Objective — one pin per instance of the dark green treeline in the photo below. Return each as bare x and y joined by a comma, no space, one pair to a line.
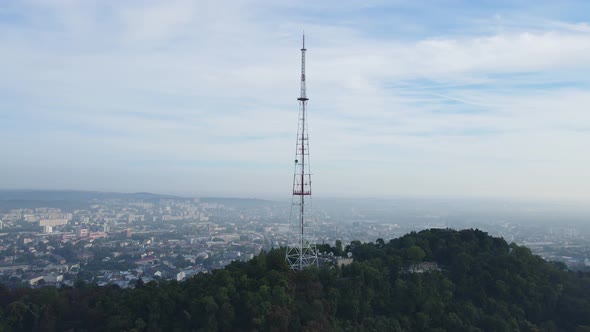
484,284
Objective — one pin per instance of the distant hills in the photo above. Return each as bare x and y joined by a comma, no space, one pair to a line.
434,280
73,195
66,199
78,198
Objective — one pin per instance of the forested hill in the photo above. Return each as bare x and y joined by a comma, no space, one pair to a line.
481,284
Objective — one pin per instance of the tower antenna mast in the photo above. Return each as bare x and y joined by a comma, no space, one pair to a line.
301,249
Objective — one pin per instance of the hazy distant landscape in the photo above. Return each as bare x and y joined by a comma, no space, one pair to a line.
157,158
226,229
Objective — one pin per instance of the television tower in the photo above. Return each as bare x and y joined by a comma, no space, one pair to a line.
301,250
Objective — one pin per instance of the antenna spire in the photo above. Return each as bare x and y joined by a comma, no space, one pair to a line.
303,39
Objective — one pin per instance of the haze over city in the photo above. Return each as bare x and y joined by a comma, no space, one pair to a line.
486,99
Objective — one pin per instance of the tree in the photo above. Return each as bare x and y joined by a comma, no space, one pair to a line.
339,250
415,254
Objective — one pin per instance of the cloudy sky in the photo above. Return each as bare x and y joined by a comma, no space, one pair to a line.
431,99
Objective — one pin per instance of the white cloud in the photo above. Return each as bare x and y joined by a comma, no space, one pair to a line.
118,87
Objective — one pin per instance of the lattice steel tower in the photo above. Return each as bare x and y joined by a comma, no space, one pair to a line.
301,249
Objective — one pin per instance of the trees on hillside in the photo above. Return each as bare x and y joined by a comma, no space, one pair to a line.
485,285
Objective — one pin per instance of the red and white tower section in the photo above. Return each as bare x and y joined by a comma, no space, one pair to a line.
301,249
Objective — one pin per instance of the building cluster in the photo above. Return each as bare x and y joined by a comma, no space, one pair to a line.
120,241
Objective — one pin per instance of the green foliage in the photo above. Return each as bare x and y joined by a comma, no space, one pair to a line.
415,254
483,284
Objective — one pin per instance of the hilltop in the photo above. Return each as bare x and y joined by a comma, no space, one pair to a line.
433,280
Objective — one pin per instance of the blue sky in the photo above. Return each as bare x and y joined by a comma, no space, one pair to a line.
421,99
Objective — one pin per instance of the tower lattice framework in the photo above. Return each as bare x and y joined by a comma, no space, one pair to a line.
301,249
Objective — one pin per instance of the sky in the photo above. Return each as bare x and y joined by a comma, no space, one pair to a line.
407,99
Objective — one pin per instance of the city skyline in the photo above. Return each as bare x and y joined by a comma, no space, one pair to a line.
199,98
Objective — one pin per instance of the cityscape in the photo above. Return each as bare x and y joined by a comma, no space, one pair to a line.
158,157
110,238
